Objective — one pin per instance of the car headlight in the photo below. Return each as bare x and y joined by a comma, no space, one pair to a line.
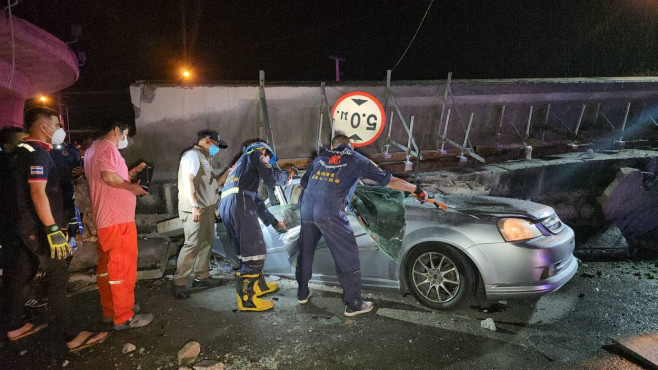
517,229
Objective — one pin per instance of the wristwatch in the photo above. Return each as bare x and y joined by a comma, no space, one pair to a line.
195,205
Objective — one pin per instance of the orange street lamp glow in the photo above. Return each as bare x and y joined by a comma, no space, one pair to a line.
43,98
186,74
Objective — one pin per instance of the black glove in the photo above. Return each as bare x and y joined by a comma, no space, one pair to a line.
59,248
279,226
421,194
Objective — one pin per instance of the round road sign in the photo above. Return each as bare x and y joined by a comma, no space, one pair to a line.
360,116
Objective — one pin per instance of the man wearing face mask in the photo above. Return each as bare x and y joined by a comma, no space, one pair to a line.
39,219
197,199
113,199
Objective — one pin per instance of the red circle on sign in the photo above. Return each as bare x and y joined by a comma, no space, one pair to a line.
381,110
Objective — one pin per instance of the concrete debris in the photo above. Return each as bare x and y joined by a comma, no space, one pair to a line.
609,243
128,347
208,365
450,186
188,354
488,323
65,363
631,202
588,154
22,353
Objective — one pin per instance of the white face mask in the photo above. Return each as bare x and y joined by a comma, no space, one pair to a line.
58,136
123,143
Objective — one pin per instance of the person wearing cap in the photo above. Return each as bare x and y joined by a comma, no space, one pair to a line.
113,202
197,199
240,210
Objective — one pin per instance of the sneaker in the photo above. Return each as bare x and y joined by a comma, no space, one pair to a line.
109,320
363,307
181,292
36,303
138,321
308,297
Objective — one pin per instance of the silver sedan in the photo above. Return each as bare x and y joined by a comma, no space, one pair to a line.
511,248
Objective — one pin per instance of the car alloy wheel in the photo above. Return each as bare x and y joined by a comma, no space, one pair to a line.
439,277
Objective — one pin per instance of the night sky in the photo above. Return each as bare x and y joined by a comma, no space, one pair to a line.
128,41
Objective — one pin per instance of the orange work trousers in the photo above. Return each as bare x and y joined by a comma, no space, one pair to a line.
116,272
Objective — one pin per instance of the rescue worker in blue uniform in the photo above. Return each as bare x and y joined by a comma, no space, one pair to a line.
328,186
240,208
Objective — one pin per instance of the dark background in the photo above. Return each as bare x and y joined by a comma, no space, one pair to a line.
128,41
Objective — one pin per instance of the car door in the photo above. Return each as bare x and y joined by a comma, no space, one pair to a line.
324,268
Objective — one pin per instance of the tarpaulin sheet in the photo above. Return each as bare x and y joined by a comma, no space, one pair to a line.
381,211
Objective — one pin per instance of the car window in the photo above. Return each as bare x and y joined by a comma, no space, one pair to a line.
288,213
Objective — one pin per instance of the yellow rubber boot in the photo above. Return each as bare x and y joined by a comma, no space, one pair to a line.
246,295
263,286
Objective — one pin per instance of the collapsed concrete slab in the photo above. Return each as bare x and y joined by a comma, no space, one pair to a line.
609,244
153,253
630,202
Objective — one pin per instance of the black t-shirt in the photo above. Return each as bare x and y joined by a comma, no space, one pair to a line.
34,164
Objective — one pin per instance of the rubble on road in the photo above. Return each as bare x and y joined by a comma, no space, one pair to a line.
188,354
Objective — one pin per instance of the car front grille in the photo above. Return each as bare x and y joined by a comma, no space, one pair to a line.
553,224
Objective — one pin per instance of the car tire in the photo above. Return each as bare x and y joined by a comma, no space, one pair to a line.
439,276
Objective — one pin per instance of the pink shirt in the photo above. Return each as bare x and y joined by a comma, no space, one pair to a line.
111,206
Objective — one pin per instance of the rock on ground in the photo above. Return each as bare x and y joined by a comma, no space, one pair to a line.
188,354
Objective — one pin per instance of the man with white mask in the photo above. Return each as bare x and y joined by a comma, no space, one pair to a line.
197,200
113,199
38,220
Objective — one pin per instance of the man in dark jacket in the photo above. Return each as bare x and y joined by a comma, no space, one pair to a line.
39,222
239,209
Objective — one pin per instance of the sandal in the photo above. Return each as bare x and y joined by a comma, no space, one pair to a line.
34,329
87,341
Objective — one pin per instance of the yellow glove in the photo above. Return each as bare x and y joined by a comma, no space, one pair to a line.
59,248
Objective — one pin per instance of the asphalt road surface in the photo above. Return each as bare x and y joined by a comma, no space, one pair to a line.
568,329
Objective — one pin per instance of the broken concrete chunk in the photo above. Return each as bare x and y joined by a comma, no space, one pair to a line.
188,354
208,365
630,204
128,347
488,323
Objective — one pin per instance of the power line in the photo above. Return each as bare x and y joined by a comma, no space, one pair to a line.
413,38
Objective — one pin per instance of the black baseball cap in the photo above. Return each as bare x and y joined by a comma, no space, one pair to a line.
212,135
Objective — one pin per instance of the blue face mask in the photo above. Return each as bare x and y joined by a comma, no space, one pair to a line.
213,150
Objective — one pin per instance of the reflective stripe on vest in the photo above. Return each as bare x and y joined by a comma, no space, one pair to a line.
230,191
113,282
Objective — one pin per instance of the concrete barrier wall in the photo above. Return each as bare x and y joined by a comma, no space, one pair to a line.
167,117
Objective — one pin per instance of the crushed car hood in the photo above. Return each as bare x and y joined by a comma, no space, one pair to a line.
488,206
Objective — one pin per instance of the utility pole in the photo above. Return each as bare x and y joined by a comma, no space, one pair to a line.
338,60
182,9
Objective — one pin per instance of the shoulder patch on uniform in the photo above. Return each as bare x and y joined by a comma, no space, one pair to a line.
36,170
206,164
26,146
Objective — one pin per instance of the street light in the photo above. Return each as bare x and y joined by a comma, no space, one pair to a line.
185,74
43,98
